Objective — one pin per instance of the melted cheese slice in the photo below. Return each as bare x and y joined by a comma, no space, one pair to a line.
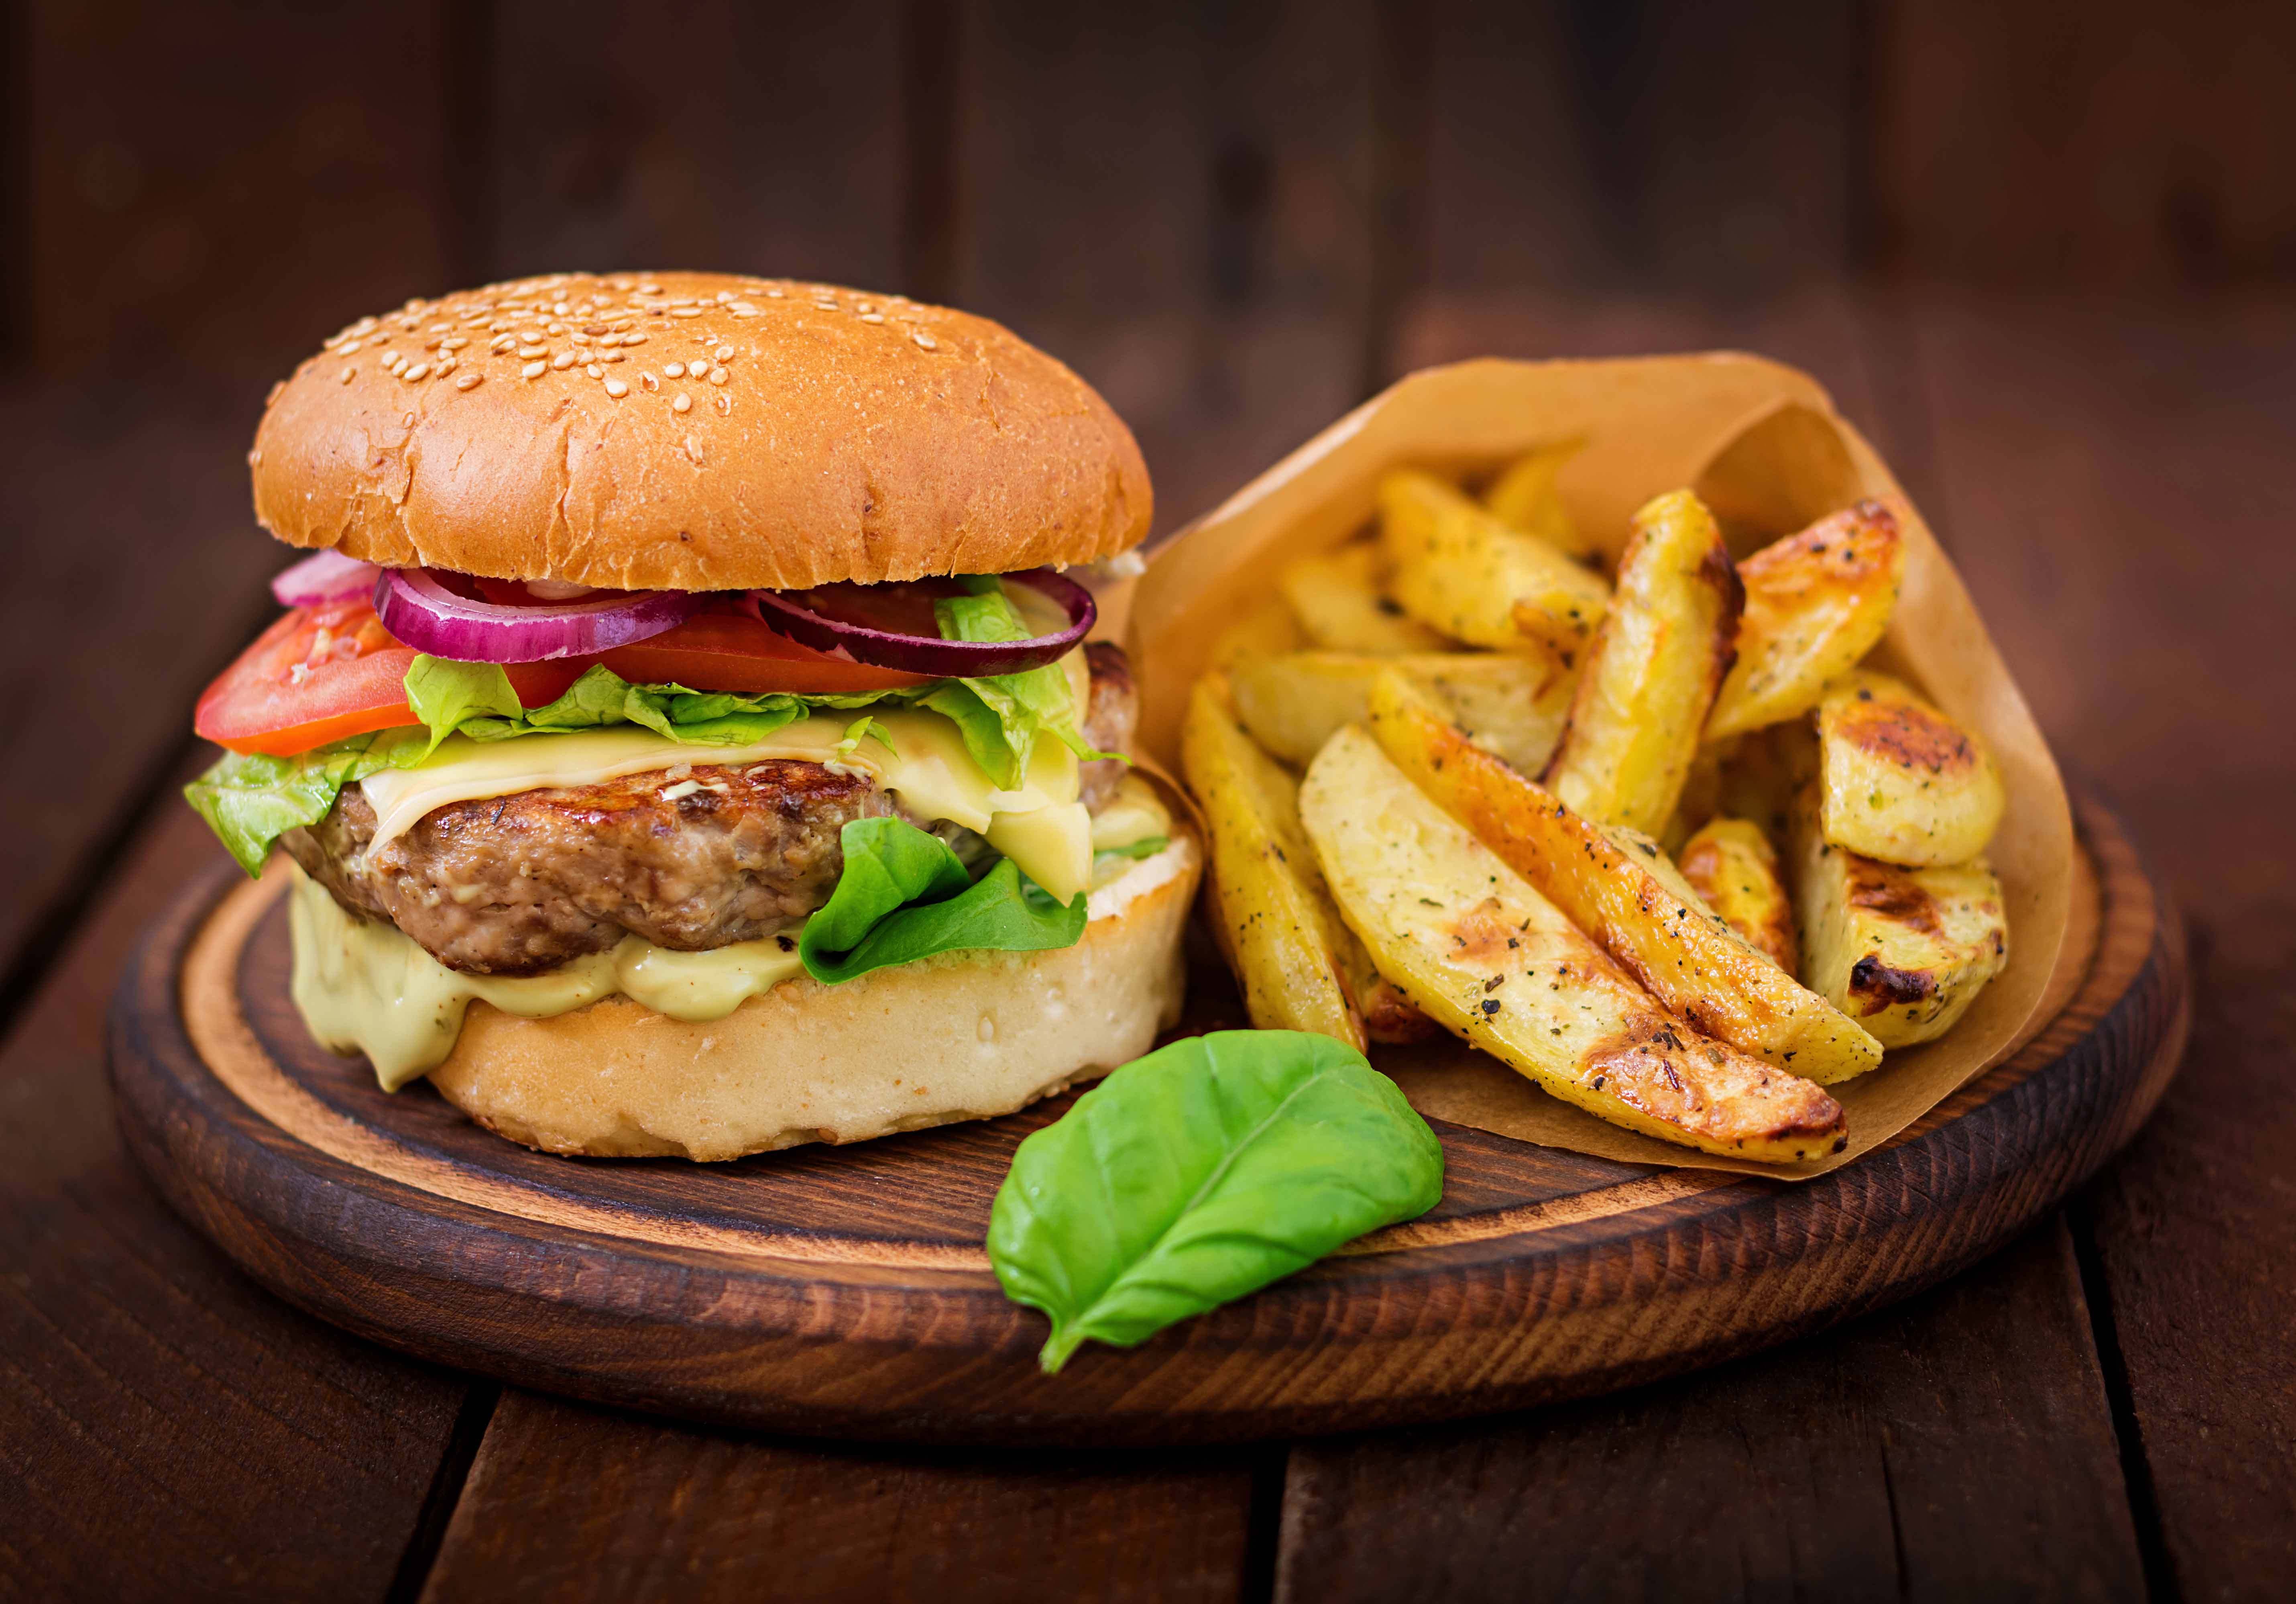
1040,825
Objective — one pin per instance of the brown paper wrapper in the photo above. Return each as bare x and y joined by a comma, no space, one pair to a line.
1760,442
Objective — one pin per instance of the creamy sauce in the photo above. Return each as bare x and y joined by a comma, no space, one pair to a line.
362,985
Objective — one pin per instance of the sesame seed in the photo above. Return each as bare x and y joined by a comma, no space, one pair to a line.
617,388
348,373
649,382
925,339
634,337
469,380
775,294
254,458
407,420
455,344
676,370
682,402
685,311
649,288
412,374
716,376
873,317
347,348
277,385
578,337
723,353
445,365
559,309
534,370
609,340
724,403
594,370
533,351
562,360
612,356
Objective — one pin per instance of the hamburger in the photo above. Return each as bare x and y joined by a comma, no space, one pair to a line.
687,737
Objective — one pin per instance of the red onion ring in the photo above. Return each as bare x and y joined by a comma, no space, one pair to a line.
425,614
930,654
325,576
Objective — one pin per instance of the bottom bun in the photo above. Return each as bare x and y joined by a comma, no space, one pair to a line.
958,1037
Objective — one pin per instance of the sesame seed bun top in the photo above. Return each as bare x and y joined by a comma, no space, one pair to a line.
693,432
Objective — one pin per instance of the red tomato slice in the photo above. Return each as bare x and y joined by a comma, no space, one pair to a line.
325,673
733,652
351,682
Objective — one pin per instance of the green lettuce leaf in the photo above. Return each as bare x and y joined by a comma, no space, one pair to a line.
250,801
1199,1174
904,895
1002,715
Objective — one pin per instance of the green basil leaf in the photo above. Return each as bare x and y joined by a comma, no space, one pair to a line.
1199,1174
903,895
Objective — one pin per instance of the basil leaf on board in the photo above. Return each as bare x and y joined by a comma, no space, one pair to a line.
1199,1174
904,895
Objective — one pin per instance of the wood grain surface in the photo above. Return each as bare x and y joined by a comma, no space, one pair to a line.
844,1293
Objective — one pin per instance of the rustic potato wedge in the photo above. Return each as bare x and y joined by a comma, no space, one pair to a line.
1340,604
1900,781
1523,495
1488,958
1623,891
1268,630
1732,867
1275,922
1905,951
1816,604
1468,574
1653,671
1514,706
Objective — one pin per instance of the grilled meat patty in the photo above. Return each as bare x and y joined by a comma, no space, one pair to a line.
518,884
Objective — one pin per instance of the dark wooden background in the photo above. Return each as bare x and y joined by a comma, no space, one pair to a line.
2042,254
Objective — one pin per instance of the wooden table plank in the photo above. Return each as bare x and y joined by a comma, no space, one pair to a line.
132,573
1202,257
567,1501
1956,1446
168,1429
704,133
2123,480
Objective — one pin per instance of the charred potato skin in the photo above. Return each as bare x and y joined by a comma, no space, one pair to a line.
1292,703
1733,869
1651,676
1472,576
1341,604
1486,956
1900,780
1271,911
1904,951
1816,604
1624,893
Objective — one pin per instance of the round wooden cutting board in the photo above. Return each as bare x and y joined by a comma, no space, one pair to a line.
843,1292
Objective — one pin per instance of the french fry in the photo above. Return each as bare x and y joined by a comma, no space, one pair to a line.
1341,607
1524,495
1732,867
1899,780
1514,706
1268,630
1470,574
1906,950
1274,919
1485,956
1624,893
1653,671
1816,604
